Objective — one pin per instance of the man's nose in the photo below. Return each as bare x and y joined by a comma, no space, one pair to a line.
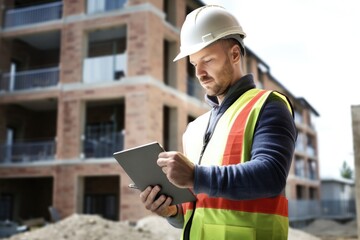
200,72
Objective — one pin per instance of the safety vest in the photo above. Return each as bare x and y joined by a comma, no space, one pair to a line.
224,219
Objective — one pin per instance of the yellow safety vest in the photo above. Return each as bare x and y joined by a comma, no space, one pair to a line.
224,219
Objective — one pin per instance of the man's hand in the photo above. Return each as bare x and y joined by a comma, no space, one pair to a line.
178,169
161,205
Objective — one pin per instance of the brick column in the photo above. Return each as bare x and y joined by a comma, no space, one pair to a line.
73,7
69,128
64,191
145,45
136,112
72,53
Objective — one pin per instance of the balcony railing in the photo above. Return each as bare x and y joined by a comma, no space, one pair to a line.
33,14
39,78
101,143
97,6
194,89
338,209
25,152
300,210
104,68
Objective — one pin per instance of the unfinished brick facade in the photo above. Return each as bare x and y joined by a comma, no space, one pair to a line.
148,98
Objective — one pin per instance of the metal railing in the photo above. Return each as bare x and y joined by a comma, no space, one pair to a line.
338,209
33,14
24,152
194,89
102,141
302,210
97,6
39,78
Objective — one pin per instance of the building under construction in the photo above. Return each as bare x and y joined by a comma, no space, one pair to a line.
82,79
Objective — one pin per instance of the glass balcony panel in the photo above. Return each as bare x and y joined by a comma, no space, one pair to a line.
304,209
104,68
338,208
300,168
34,14
23,80
24,152
102,141
98,6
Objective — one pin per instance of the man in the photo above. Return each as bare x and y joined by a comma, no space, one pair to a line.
237,156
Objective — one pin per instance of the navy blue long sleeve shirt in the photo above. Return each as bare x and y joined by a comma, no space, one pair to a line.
265,174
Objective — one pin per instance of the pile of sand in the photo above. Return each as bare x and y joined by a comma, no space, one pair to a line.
328,228
93,227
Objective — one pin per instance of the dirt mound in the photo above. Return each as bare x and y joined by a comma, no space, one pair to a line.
296,234
93,227
88,227
329,228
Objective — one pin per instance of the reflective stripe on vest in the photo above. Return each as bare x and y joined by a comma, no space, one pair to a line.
220,218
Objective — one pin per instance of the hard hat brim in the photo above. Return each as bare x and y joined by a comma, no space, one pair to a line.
192,50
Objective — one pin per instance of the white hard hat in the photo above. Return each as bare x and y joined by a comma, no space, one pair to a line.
204,26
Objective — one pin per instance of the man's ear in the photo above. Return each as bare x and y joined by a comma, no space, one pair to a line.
235,53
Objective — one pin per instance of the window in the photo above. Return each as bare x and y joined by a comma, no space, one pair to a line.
310,148
102,204
312,170
299,144
170,11
106,58
300,192
298,117
170,128
6,206
300,167
169,69
260,82
313,193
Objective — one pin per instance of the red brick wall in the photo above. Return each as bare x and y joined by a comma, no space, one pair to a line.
143,102
69,130
73,7
71,53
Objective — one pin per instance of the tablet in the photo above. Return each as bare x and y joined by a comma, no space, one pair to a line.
140,165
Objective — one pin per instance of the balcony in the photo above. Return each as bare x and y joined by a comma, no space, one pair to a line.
104,68
102,142
300,210
99,6
338,209
26,152
24,80
33,14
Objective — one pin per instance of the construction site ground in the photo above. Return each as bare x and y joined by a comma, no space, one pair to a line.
93,227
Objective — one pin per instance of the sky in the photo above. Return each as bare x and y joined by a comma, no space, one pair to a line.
312,48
